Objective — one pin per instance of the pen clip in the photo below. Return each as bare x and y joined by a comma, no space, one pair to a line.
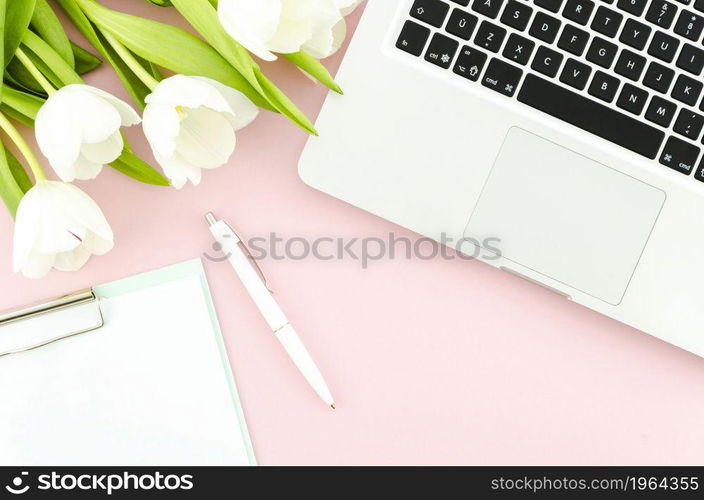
245,249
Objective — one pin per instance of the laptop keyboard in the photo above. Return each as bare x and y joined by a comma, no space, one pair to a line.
628,71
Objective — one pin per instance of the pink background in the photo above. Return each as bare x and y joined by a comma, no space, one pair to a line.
431,362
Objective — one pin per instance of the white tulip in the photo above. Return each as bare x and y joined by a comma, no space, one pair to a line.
265,27
190,123
58,226
78,130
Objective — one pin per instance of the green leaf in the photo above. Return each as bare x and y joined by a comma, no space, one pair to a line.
283,103
16,115
85,61
43,67
48,27
169,47
18,15
3,9
51,59
135,87
10,190
18,75
24,103
314,68
136,168
161,3
18,172
202,15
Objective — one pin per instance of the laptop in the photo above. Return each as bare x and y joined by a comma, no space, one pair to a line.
561,138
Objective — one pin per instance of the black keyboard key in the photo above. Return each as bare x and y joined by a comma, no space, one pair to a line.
461,24
578,11
687,90
470,63
630,65
602,52
516,15
430,11
661,111
591,116
490,36
607,21
699,174
663,46
518,49
679,155
690,25
635,7
661,13
575,74
699,5
658,77
691,59
441,50
547,61
464,3
489,8
632,99
413,37
573,40
635,34
689,124
604,86
551,5
544,27
502,77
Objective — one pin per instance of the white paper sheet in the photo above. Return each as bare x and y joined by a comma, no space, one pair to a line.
148,388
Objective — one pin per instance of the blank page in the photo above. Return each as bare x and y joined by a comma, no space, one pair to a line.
148,388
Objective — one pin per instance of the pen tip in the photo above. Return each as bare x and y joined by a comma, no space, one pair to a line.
333,406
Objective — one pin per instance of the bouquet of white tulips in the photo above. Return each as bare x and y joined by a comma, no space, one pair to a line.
194,93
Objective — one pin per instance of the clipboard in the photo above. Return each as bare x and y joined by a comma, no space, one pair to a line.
84,382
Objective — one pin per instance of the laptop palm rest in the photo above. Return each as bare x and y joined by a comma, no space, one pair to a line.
566,216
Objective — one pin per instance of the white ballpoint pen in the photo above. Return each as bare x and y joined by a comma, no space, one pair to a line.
230,243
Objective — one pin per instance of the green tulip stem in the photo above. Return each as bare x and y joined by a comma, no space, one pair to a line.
34,71
23,147
131,61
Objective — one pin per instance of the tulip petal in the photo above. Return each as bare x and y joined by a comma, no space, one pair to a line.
161,127
57,136
347,6
178,170
97,245
127,113
85,169
252,24
188,92
58,225
72,260
295,26
322,42
80,207
97,118
104,152
244,111
207,140
37,265
27,225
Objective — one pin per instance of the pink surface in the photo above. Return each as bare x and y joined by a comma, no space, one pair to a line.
431,362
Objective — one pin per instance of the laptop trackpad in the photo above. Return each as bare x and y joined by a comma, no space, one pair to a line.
565,216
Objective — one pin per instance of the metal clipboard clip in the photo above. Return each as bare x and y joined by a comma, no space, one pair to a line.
31,312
